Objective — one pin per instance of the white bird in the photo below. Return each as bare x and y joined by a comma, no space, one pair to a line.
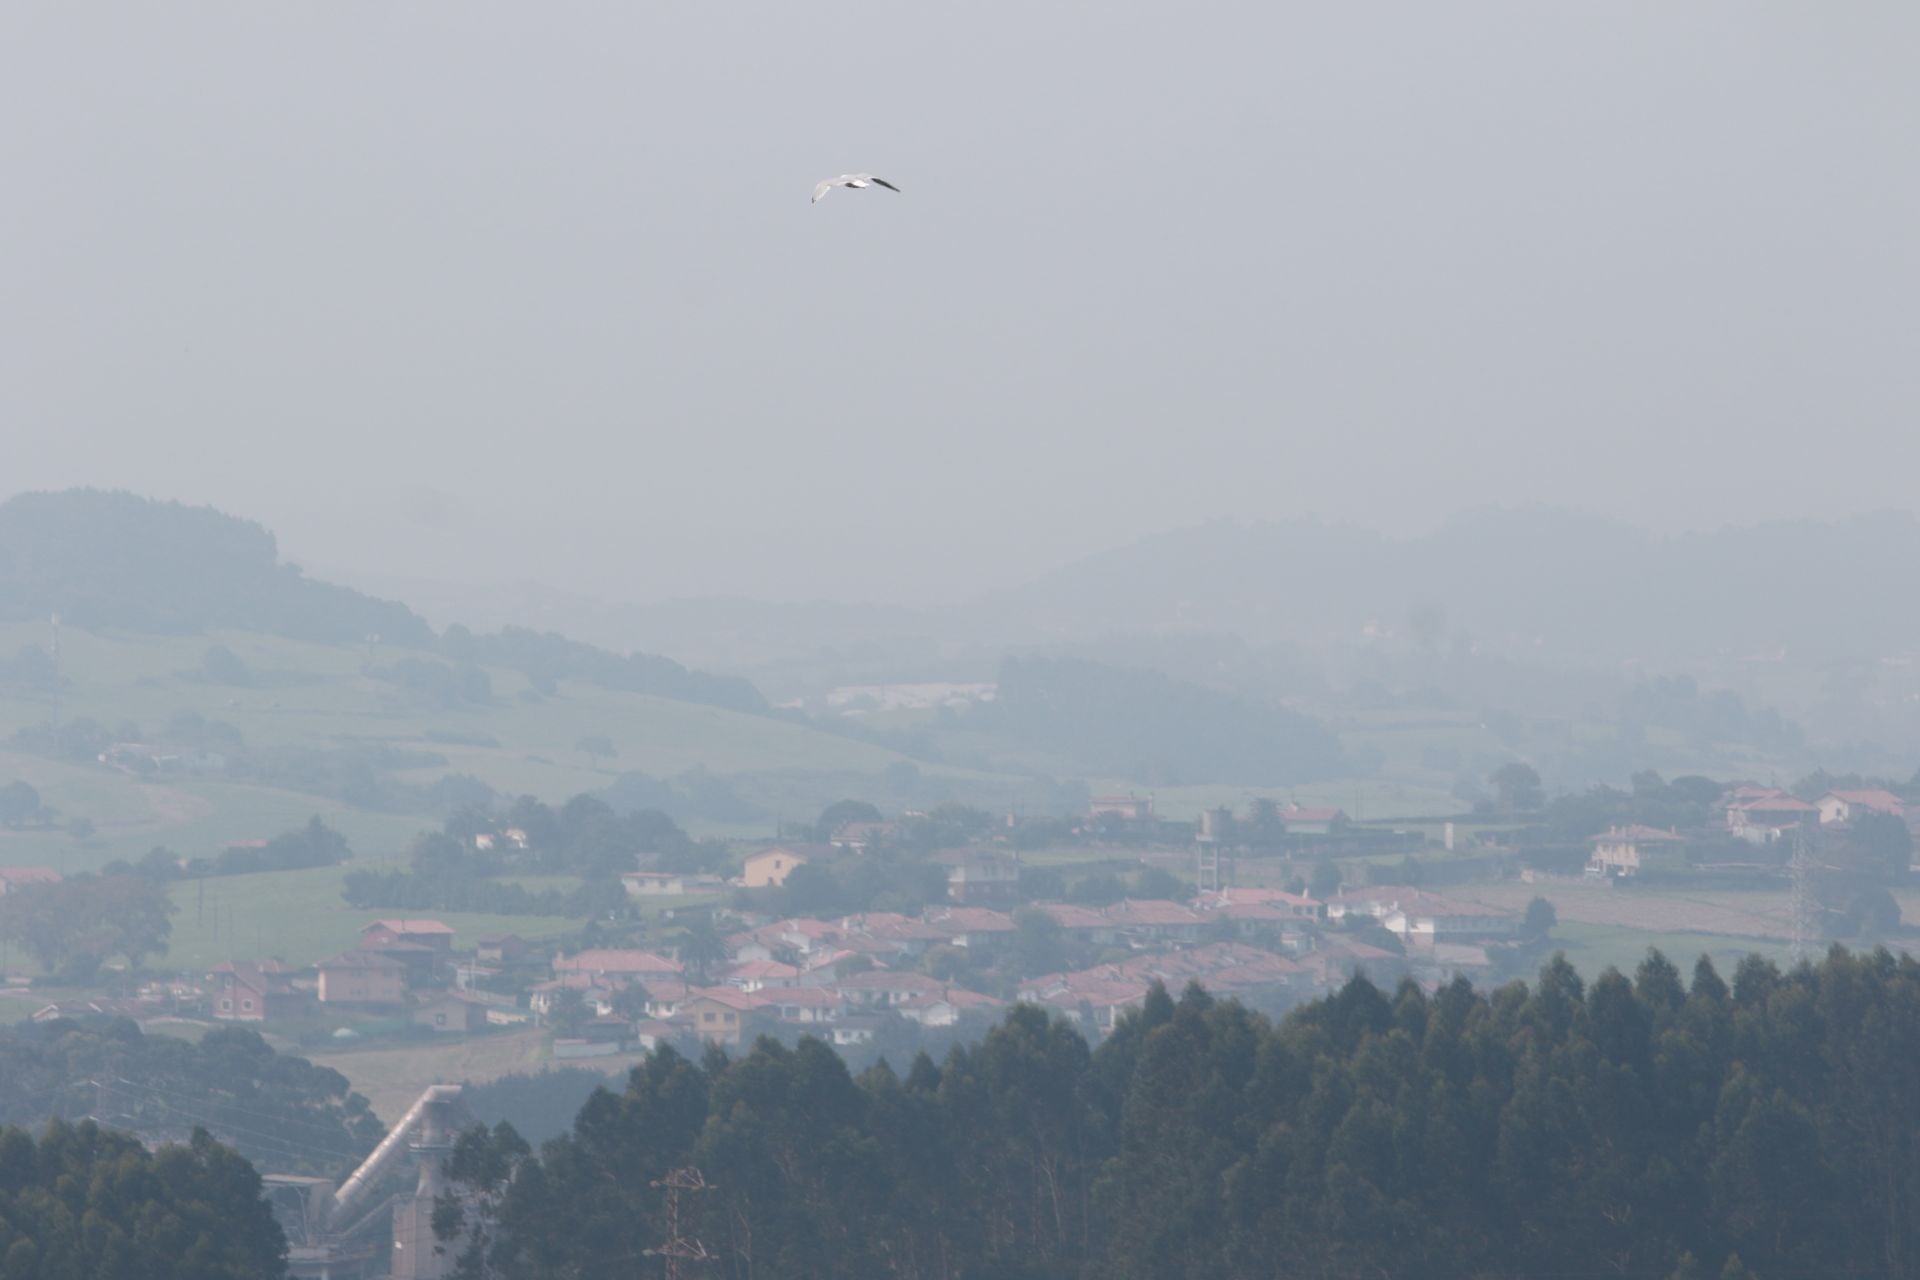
850,180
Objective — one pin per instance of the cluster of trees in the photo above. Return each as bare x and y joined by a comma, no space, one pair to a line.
696,793
434,684
20,804
1155,729
85,1203
282,1112
873,880
75,925
1677,703
1644,1126
537,1106
313,845
585,836
32,671
445,875
1651,800
546,658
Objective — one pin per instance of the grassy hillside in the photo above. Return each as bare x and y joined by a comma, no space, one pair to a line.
321,696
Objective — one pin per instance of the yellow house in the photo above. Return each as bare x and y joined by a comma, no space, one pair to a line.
770,866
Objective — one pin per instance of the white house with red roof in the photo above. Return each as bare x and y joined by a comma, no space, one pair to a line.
615,962
1845,806
12,878
1129,807
980,875
1264,905
1432,920
972,926
255,990
757,975
1634,848
1086,922
807,1006
1764,817
884,987
718,1015
1313,820
945,1008
421,933
1156,919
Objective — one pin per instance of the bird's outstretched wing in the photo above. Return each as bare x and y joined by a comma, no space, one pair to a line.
879,182
822,189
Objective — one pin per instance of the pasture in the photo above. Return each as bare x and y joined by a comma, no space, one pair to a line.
300,917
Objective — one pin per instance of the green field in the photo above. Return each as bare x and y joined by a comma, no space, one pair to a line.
1592,948
194,817
299,917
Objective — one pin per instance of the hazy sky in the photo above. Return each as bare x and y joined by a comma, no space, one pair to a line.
495,291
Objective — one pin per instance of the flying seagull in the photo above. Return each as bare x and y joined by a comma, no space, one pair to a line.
850,180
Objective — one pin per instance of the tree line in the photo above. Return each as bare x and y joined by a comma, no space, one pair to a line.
1637,1127
86,1203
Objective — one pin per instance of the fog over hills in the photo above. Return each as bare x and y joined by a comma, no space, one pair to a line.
1554,585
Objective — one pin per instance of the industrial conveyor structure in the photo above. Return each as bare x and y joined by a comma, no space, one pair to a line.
330,1231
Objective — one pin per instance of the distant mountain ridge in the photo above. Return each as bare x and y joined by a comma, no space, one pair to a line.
1586,586
115,559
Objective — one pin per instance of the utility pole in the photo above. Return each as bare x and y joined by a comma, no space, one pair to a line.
678,1246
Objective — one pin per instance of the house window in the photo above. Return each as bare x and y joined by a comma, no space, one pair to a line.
226,1006
707,1017
247,1005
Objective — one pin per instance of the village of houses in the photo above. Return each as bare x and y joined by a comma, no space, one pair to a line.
855,978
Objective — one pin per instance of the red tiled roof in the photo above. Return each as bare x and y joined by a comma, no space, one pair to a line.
609,960
882,980
1071,916
268,977
763,969
1152,912
972,920
410,926
1635,833
1781,803
357,959
1878,801
738,1000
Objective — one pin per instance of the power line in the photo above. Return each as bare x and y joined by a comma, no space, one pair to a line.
202,1099
290,1146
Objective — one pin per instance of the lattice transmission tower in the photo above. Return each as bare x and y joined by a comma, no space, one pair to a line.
680,1247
